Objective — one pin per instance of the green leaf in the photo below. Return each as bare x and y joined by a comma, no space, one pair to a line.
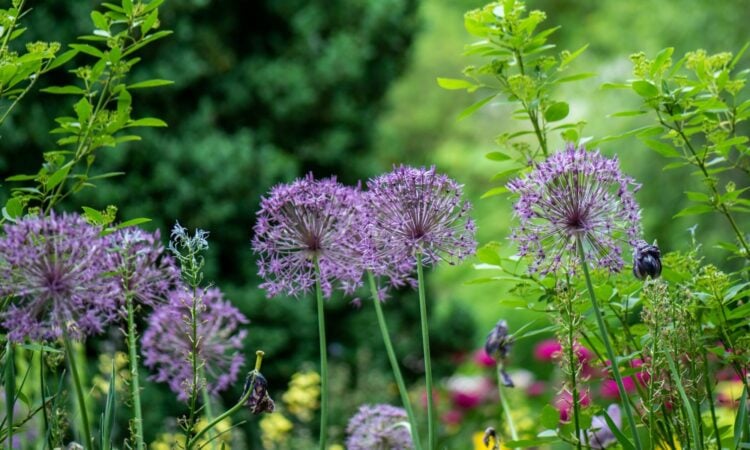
62,59
100,20
133,222
488,255
149,22
693,210
662,148
686,404
628,113
58,176
93,215
473,108
87,49
83,109
556,111
150,83
576,77
494,191
660,60
13,209
455,83
147,122
497,156
64,90
645,88
550,417
532,442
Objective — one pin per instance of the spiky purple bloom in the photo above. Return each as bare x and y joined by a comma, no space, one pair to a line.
601,435
416,211
167,346
379,426
575,194
56,271
142,266
306,220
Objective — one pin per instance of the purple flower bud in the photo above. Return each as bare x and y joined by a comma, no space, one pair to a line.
646,261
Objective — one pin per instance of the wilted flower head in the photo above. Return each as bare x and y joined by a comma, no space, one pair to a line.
144,270
259,401
167,345
646,260
56,271
416,211
303,221
498,342
575,195
600,435
379,426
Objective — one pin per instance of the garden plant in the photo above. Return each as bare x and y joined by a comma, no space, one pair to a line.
103,316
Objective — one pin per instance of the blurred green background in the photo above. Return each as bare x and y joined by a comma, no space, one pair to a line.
348,88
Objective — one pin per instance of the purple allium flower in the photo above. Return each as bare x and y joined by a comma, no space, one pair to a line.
379,426
575,194
600,435
304,220
56,271
144,270
167,345
416,211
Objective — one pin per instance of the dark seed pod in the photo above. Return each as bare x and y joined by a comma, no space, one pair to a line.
259,401
646,261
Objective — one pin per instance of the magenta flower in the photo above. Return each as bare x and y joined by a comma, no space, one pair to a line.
379,426
547,350
303,221
609,389
56,272
575,195
416,211
166,341
142,266
564,403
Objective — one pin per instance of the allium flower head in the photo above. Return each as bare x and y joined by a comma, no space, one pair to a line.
56,271
167,345
416,211
379,426
575,194
144,270
303,221
600,435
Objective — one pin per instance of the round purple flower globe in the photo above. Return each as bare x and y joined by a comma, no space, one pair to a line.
56,271
379,427
166,341
144,270
416,211
305,221
575,195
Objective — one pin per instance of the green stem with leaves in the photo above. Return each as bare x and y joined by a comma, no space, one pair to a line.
610,352
323,359
505,406
135,388
240,404
194,363
394,361
431,438
69,351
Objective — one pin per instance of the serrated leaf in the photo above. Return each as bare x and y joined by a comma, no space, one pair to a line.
473,108
150,83
147,122
645,88
556,111
64,90
454,83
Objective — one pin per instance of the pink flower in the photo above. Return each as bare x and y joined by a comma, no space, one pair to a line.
452,417
564,403
481,358
641,375
536,389
466,400
547,350
609,389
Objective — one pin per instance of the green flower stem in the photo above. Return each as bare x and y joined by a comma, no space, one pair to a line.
431,441
207,410
323,359
194,363
242,401
506,408
610,353
78,388
135,388
394,362
10,387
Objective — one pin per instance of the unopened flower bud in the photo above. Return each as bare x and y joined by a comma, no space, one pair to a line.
646,261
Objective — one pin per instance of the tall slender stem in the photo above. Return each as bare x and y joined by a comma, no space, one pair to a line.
506,408
431,441
135,388
323,359
194,364
78,388
10,390
610,353
394,362
207,410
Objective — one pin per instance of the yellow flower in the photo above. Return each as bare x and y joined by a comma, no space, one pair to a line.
661,445
275,429
301,399
168,441
220,430
336,447
478,440
101,380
